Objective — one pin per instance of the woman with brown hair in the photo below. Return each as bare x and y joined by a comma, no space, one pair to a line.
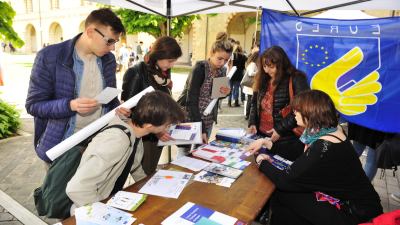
326,184
274,81
197,93
155,72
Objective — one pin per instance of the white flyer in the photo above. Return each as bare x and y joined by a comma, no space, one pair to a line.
108,94
191,163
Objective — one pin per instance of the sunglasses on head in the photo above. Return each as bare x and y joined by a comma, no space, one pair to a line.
109,41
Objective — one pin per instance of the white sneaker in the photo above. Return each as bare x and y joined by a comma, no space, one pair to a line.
395,196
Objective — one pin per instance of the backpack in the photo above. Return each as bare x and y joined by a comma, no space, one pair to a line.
51,200
388,153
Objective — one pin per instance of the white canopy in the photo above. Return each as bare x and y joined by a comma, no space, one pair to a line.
187,7
344,15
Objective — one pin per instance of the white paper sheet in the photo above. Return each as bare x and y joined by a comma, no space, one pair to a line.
166,183
90,129
108,94
191,163
101,214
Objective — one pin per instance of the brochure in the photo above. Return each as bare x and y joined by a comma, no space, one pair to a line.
223,170
212,178
101,214
190,214
191,163
126,200
107,95
218,83
184,134
166,183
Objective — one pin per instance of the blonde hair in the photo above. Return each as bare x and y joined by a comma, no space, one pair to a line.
221,44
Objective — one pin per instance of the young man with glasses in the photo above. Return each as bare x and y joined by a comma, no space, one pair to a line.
67,76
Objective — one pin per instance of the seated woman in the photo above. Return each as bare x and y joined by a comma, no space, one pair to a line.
326,184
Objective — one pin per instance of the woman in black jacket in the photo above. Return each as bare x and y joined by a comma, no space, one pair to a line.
271,96
326,184
155,72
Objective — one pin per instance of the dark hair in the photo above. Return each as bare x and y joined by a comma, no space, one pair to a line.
252,58
222,44
164,48
274,55
157,108
106,17
316,108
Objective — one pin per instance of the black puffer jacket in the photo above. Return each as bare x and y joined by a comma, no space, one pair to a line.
285,125
138,78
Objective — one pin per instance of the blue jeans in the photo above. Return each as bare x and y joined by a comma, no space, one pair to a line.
370,166
234,90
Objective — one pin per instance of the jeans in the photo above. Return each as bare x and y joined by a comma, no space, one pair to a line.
370,166
234,90
184,150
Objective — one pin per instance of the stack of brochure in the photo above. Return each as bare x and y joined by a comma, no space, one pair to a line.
212,178
101,214
230,134
194,214
184,134
126,200
223,170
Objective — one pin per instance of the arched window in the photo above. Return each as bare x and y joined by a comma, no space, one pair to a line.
54,4
28,6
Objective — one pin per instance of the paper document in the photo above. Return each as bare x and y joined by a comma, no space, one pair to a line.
107,95
213,178
218,83
184,134
191,163
100,214
166,183
126,200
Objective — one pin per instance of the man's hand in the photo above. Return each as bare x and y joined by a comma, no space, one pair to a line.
121,111
274,135
164,136
84,105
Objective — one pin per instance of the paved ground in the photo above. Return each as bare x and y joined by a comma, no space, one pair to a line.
21,171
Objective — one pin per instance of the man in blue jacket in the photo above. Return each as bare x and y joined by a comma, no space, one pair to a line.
67,76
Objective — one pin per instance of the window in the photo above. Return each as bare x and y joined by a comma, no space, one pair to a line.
28,6
54,4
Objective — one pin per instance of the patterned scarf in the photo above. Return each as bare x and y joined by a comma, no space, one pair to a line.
310,135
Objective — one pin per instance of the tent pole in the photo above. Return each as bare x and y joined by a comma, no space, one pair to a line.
169,21
255,31
291,6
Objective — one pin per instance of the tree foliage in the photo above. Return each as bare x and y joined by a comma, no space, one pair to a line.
7,14
155,25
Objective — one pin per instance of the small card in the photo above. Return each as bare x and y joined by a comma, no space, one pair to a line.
219,82
107,95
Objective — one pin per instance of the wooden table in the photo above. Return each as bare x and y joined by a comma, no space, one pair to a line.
243,200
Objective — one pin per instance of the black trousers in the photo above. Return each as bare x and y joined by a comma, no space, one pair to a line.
151,156
303,209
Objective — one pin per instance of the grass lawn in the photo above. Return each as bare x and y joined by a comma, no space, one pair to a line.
181,69
26,64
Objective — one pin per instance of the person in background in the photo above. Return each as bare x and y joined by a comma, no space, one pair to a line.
197,92
155,72
123,58
139,51
110,150
239,60
326,184
366,139
251,71
271,95
66,78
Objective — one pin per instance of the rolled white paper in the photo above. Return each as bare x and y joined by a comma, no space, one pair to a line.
90,129
211,105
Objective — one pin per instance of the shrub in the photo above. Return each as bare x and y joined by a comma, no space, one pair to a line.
9,120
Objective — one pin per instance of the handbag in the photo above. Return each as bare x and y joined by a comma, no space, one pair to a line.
247,80
298,131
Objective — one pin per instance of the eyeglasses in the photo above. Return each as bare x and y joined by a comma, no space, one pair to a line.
109,41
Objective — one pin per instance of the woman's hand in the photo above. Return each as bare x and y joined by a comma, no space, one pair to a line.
225,90
256,145
262,157
252,129
274,135
204,138
164,136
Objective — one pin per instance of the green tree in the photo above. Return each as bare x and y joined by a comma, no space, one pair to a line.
155,25
7,14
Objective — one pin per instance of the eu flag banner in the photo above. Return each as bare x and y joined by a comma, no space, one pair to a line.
356,62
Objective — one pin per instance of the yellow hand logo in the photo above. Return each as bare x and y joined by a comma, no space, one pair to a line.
353,100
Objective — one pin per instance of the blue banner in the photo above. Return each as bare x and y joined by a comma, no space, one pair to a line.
356,62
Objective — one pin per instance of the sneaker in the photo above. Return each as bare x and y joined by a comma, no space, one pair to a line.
395,196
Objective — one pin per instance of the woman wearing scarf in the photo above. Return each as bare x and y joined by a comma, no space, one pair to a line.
155,71
275,78
326,184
